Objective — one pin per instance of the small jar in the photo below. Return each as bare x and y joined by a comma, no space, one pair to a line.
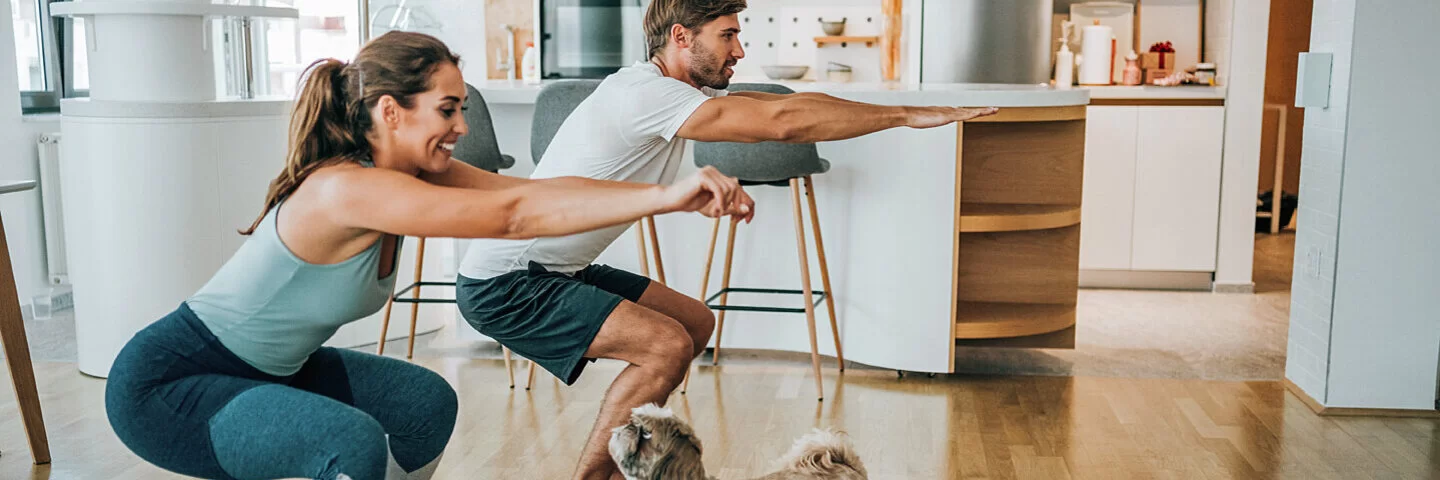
1205,74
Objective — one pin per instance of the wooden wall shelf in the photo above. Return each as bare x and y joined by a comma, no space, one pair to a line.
869,41
1005,217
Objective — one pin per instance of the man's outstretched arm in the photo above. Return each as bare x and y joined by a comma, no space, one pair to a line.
807,118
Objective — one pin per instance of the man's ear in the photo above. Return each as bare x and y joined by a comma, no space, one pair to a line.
680,36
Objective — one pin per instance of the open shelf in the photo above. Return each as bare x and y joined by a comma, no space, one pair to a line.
1005,217
1003,320
869,41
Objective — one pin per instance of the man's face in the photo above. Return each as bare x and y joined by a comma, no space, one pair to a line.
714,52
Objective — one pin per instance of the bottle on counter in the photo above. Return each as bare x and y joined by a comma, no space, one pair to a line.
530,65
1064,66
1133,75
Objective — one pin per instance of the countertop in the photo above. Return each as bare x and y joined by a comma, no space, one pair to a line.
996,95
1157,93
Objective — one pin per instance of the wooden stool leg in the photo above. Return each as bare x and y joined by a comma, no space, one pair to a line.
17,356
824,272
415,307
724,284
655,247
805,285
385,324
704,287
531,381
640,245
508,371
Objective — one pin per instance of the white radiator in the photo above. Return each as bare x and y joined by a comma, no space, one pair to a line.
48,144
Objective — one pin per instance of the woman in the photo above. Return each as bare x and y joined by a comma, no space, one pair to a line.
235,384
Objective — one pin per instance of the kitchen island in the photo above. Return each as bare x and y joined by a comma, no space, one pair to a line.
963,234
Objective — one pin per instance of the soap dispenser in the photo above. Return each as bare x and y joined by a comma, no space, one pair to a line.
1064,60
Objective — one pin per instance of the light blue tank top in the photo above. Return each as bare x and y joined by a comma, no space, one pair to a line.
273,309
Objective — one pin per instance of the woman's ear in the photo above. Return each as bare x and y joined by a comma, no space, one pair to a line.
389,111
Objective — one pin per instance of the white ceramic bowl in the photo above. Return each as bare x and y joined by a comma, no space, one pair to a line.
785,72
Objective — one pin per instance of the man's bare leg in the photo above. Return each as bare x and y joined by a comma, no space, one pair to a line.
692,314
658,349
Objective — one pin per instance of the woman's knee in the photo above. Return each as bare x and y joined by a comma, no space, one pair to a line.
358,448
437,402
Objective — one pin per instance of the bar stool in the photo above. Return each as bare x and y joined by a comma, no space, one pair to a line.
555,102
17,347
780,165
480,149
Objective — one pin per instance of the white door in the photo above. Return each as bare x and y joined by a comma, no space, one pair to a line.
1177,188
1107,206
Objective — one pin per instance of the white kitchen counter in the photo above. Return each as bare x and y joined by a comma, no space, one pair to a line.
1156,93
989,95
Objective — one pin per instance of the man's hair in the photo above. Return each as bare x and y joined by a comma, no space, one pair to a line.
690,14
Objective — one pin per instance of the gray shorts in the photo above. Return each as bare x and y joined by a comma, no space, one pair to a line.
548,317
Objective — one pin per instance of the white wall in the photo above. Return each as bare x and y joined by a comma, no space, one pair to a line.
1386,331
1307,362
21,211
1244,108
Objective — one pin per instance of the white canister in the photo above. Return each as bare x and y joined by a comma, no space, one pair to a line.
1096,55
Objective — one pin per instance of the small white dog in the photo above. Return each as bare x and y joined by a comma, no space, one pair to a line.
657,445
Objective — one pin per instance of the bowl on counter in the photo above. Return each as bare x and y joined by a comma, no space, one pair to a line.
785,72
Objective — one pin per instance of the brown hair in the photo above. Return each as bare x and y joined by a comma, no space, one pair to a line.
332,111
690,14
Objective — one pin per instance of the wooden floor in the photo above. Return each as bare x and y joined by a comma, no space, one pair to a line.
947,427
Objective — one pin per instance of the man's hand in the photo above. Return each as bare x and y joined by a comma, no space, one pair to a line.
930,117
709,193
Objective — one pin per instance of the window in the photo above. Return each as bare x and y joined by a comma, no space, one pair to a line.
52,61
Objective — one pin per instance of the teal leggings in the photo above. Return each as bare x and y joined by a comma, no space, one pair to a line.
182,401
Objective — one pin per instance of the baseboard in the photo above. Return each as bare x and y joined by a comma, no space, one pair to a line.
1146,280
1234,287
1305,398
1320,409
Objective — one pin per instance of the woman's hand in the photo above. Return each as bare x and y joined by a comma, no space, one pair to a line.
709,193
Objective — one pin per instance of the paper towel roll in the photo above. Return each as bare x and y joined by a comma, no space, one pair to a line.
1095,67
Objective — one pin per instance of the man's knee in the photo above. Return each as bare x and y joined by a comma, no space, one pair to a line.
671,351
702,325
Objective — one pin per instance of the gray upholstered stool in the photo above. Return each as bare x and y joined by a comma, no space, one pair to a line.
480,149
770,164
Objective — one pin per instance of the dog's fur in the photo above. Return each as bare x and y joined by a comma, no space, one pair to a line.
656,445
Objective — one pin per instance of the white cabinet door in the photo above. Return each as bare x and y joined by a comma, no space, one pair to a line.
1177,188
1107,206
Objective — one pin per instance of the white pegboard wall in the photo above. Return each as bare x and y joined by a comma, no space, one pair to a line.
782,32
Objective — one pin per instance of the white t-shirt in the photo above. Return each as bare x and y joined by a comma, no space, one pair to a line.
624,131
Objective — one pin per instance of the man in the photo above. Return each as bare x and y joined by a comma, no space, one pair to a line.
544,300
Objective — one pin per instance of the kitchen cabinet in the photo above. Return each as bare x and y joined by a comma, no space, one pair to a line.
1152,188
1108,205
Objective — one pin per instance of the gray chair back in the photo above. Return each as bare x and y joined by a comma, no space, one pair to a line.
479,148
763,162
552,106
